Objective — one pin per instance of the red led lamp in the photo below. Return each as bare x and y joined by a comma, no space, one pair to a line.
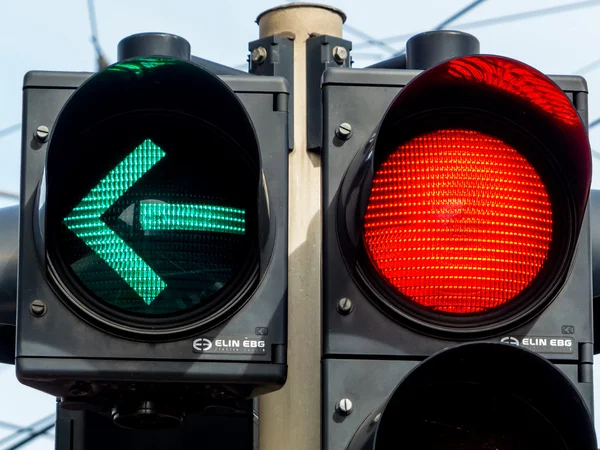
459,220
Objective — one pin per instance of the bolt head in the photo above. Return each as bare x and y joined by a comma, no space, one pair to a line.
344,131
345,306
38,308
344,406
258,55
340,54
41,133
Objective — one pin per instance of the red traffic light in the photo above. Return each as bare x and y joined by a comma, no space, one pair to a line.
458,221
459,213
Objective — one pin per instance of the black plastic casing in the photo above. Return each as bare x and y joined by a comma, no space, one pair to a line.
64,355
366,353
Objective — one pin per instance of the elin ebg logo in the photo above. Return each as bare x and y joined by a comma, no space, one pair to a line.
542,344
202,345
510,340
232,346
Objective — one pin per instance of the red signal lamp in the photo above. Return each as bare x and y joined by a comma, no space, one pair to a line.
458,214
458,221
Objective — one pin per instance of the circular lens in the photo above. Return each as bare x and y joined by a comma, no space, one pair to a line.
157,225
466,416
457,222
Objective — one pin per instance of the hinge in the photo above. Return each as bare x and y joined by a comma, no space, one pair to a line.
586,361
322,52
274,56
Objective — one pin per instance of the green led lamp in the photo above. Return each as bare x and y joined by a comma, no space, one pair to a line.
88,221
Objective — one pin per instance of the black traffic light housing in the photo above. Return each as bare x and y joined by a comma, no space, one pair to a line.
98,354
369,348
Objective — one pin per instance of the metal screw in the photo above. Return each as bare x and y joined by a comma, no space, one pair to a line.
80,389
41,134
345,306
344,131
340,54
38,308
344,407
258,55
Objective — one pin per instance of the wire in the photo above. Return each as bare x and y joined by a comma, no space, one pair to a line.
588,67
450,19
500,19
528,14
459,14
592,124
9,194
101,60
32,436
370,39
361,34
31,429
9,425
8,130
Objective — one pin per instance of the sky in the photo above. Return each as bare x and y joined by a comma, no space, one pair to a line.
42,35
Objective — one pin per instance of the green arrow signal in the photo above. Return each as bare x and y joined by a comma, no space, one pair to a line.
175,216
85,221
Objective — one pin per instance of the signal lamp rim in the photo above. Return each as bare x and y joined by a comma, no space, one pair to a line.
544,287
221,306
176,326
241,133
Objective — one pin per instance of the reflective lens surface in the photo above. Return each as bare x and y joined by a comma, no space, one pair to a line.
157,233
457,221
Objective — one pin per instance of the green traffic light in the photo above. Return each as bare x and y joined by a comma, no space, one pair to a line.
158,238
85,221
170,216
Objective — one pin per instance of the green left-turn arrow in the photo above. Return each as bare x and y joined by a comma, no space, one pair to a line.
160,216
84,220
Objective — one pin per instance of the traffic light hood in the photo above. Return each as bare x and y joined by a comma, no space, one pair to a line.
156,85
503,88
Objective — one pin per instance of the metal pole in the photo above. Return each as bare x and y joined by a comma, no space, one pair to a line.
290,418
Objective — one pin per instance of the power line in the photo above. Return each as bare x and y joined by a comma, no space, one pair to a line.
502,19
592,124
11,426
458,14
38,427
370,39
9,130
588,67
529,14
361,34
450,19
9,195
101,60
34,434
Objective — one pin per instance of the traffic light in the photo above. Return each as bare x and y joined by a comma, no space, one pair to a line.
153,235
457,288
